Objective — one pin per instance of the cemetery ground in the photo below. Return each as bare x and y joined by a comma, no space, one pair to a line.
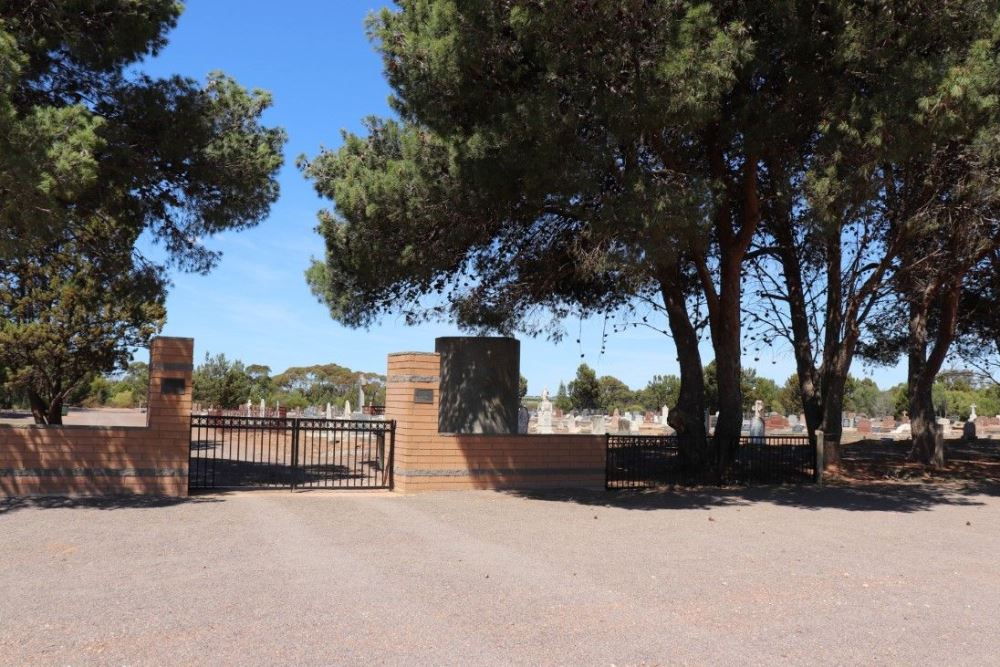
865,573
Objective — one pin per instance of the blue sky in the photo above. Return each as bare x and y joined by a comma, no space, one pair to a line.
315,59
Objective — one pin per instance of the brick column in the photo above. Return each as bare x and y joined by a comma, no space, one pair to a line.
168,416
105,460
413,379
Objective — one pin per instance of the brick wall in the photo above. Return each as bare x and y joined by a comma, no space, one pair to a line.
426,460
103,460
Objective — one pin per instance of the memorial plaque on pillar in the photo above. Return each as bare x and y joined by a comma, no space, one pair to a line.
172,386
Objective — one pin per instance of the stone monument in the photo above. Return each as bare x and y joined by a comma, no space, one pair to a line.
522,419
597,425
969,429
757,423
545,413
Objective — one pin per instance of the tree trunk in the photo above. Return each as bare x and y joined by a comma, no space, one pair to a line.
728,367
833,413
687,418
55,411
39,410
923,426
928,443
805,367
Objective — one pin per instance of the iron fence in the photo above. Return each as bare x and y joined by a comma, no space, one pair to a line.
278,452
642,461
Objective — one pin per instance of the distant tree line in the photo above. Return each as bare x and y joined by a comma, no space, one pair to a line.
229,383
954,393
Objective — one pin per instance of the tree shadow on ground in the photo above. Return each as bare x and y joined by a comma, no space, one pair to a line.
887,497
10,505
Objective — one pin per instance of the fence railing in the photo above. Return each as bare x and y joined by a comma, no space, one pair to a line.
269,452
641,461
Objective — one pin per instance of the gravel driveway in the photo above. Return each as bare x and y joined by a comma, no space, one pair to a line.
894,575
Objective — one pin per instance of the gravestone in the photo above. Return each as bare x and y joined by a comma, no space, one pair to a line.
597,425
634,426
969,430
664,415
545,413
757,423
776,423
523,417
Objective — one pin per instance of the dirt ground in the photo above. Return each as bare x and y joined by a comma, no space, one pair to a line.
886,460
873,574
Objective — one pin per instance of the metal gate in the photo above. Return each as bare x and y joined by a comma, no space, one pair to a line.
646,461
277,452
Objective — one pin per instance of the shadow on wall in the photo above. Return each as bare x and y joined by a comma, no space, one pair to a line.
897,497
9,505
479,384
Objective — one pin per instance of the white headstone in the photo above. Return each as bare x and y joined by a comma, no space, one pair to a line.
263,407
664,415
361,397
757,423
347,409
634,426
597,425
545,413
972,414
329,411
249,407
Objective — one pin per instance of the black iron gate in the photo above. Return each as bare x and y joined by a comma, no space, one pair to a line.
645,461
277,452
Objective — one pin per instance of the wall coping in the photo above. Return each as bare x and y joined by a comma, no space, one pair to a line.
71,427
184,338
542,436
411,354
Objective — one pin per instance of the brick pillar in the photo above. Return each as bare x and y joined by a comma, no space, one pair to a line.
411,398
171,366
